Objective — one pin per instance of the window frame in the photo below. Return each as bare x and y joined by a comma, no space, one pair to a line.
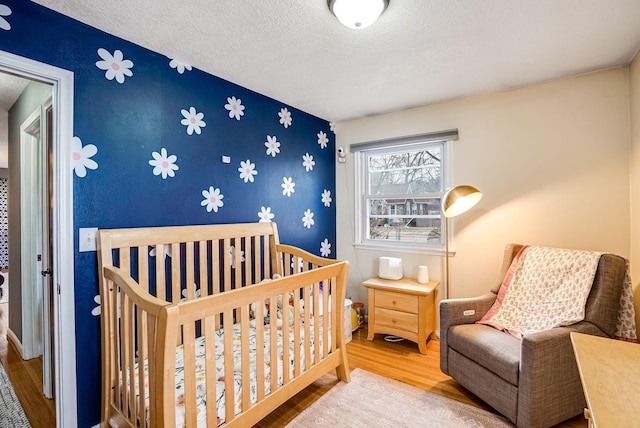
362,218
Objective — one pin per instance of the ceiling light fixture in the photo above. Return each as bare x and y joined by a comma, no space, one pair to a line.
357,14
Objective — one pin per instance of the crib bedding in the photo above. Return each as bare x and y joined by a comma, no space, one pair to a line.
220,385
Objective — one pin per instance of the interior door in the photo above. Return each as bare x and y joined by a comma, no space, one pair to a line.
45,248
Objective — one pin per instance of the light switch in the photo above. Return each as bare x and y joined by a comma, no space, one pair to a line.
88,239
226,159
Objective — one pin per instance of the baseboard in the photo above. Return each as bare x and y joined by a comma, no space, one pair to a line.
11,335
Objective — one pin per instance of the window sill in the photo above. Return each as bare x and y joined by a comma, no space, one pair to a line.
413,248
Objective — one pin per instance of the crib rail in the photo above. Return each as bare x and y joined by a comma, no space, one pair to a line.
259,291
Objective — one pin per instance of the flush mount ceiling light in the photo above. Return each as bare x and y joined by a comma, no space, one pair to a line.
357,14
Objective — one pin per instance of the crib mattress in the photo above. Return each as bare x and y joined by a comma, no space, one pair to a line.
221,394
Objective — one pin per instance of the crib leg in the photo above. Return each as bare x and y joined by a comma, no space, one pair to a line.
342,371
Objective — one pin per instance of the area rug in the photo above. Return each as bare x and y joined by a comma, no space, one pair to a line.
370,400
11,412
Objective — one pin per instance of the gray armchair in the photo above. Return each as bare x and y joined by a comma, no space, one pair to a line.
533,381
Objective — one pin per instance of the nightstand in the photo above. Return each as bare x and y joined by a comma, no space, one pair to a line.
403,308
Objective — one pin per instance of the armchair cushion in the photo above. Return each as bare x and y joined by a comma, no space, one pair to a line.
491,348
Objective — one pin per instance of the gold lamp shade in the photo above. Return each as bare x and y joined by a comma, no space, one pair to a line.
455,202
459,200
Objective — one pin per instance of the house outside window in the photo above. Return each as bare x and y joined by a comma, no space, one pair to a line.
399,185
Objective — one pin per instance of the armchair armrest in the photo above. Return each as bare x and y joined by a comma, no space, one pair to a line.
549,375
452,312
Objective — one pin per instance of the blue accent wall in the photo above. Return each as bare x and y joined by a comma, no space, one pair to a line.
129,137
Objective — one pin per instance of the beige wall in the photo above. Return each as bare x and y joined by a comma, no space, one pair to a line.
634,90
551,160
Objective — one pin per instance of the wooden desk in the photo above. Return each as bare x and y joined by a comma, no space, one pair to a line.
610,374
403,308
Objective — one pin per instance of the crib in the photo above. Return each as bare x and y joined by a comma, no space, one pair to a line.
213,325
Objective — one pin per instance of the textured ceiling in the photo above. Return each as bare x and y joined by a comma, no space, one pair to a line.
419,52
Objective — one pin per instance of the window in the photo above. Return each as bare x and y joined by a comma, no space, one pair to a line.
400,186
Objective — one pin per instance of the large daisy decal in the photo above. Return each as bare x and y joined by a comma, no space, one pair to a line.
115,66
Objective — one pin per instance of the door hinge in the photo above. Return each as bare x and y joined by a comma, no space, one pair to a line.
46,272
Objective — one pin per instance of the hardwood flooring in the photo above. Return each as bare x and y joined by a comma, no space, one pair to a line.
397,360
26,377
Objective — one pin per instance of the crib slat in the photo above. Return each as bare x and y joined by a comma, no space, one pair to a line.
229,381
125,354
318,320
202,256
273,341
210,370
237,262
286,347
131,359
151,337
161,283
190,268
296,333
259,318
308,309
226,263
245,365
143,267
117,361
248,261
175,272
143,355
189,359
325,318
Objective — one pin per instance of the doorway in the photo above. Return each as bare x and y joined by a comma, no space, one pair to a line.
60,226
36,205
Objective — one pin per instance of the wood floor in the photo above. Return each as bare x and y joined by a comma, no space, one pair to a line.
400,361
26,377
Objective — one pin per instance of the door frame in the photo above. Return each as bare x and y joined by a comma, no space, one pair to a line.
63,232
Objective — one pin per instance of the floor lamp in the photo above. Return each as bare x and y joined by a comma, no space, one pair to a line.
456,201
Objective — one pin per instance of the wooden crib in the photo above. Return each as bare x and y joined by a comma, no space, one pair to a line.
213,325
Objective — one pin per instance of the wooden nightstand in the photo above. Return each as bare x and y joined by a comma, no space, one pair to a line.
403,308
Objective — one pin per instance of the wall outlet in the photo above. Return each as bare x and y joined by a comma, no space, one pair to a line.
87,239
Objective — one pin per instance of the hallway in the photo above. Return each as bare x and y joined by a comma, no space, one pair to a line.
26,377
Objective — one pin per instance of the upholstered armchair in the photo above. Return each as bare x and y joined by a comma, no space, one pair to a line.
533,381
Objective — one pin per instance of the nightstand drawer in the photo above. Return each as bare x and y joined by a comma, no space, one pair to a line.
396,301
396,319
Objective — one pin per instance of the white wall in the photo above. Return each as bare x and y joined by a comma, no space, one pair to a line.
552,160
634,90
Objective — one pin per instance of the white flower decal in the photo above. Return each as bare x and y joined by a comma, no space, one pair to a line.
308,162
273,146
265,215
166,249
288,186
97,310
212,199
80,157
192,120
247,170
285,117
114,65
232,252
332,127
326,197
196,293
307,219
322,139
235,107
179,65
4,11
325,248
163,164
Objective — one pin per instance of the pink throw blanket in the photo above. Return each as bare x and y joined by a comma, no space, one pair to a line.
548,287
